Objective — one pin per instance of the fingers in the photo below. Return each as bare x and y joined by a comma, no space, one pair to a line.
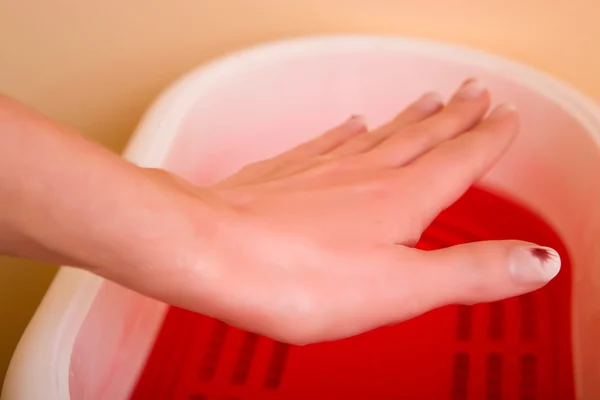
424,107
438,178
297,158
473,273
328,141
347,139
418,130
466,108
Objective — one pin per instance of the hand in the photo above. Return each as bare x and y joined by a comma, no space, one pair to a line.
315,244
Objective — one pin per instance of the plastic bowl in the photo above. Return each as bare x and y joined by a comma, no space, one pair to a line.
91,339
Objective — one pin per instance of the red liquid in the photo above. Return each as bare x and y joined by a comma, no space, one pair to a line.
515,349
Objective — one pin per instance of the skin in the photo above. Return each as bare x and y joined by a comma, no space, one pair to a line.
312,245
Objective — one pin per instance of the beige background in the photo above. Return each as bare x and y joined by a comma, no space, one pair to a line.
96,65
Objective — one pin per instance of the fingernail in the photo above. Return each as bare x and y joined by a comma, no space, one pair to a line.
503,110
430,101
471,89
355,121
534,264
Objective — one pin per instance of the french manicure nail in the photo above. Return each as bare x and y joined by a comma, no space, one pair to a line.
502,110
430,101
471,89
531,265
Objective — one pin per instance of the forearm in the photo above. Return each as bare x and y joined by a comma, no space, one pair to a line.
66,200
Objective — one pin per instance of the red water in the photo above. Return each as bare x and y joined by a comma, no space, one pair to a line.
514,349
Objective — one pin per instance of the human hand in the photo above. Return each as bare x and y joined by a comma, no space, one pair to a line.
316,243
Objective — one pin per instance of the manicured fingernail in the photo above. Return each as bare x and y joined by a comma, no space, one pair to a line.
355,122
471,89
503,110
430,102
534,264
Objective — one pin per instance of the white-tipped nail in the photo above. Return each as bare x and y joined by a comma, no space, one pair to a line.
430,102
502,110
471,89
530,265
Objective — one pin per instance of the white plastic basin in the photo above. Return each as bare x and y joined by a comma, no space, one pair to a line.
90,338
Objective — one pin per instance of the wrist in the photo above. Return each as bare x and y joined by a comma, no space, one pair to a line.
170,241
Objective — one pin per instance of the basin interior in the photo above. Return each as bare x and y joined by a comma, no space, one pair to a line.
545,190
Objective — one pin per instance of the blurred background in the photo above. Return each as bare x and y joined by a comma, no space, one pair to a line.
97,65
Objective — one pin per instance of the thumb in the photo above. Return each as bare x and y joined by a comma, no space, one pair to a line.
482,271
